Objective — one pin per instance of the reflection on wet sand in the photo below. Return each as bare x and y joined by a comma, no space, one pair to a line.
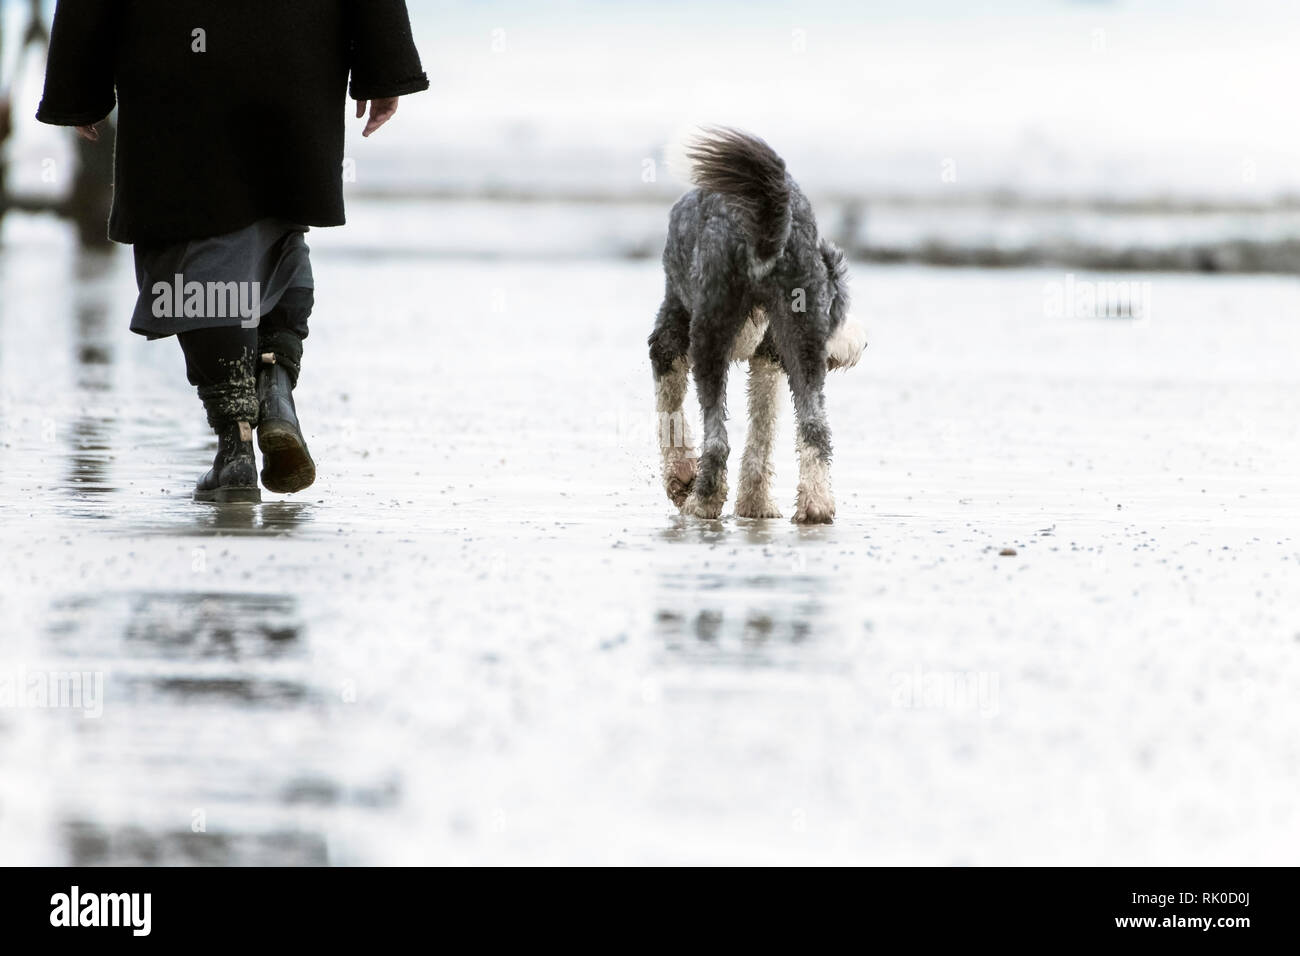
90,436
750,530
189,518
93,350
745,616
90,454
177,625
190,675
271,517
92,844
185,629
767,600
233,626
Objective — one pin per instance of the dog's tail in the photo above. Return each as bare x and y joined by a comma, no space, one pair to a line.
837,275
752,177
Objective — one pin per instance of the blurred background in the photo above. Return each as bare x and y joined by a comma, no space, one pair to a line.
1055,621
1145,134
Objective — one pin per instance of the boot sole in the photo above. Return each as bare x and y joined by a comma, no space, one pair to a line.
286,465
230,496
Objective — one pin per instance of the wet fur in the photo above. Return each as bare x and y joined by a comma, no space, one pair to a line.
739,247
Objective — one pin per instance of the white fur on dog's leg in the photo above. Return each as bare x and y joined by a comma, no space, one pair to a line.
814,503
754,500
846,346
676,446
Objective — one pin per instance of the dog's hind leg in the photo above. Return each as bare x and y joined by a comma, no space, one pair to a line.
711,344
754,499
803,353
668,358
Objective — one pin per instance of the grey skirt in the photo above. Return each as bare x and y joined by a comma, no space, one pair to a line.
230,280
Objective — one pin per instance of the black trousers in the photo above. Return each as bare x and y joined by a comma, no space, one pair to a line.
222,362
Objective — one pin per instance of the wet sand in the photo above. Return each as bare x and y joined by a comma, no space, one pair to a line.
484,636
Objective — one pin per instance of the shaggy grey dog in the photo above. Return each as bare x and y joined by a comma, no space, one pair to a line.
748,278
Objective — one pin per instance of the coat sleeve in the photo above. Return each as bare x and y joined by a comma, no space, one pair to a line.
384,59
79,74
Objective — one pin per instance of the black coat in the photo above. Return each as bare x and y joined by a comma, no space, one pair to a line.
209,142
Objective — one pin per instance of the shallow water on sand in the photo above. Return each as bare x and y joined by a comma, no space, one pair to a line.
484,636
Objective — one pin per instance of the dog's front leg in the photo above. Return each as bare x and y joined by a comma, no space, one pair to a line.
709,493
814,503
754,499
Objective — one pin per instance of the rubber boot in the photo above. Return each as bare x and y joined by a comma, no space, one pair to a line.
233,476
287,466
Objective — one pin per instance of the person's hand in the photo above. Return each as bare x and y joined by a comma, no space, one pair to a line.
381,111
90,133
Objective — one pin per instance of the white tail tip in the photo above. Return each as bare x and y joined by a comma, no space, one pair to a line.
846,345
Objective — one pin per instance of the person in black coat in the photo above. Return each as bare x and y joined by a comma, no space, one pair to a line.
230,133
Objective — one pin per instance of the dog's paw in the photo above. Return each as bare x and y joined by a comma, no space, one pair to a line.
679,478
814,516
697,507
757,509
814,509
